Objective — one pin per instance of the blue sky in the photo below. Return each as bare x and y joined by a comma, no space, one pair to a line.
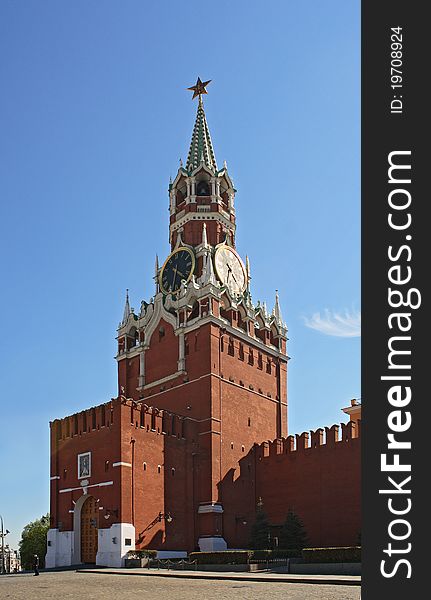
94,117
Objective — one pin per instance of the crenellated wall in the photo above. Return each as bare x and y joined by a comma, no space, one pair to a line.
139,468
147,462
317,475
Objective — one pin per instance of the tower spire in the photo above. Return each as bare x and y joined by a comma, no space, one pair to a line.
156,273
127,310
201,148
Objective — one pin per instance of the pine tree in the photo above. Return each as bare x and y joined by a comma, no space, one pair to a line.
293,535
260,531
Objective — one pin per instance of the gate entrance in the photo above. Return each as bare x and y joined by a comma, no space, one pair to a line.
89,519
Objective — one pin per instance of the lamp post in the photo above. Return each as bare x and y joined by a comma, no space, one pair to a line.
3,534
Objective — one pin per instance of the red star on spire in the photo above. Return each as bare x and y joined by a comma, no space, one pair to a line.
199,88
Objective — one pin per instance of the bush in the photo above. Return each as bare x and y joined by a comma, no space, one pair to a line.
332,555
225,557
272,554
240,557
142,553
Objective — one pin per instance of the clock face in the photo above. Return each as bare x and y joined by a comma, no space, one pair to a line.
230,269
178,266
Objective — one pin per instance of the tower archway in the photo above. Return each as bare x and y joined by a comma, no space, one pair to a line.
89,530
86,526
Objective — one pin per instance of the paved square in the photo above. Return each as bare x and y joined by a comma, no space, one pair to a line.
95,586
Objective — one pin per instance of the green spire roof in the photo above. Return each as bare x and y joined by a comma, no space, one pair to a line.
201,148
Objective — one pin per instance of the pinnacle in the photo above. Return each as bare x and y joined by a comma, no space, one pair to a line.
276,310
127,310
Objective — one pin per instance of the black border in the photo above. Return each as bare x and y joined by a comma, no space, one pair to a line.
383,132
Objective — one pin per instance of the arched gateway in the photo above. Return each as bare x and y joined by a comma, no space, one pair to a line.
89,528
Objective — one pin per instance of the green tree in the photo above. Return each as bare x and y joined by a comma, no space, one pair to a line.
260,531
33,541
293,535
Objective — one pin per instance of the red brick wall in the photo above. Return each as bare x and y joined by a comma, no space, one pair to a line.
161,359
162,478
319,481
103,442
322,484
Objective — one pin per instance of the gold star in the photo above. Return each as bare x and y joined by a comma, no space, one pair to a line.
199,88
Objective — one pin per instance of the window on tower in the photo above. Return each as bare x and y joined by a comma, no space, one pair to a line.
250,357
179,198
202,189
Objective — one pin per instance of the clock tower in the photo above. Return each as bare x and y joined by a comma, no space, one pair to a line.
196,438
200,347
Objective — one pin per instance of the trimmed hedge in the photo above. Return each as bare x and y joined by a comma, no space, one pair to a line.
347,554
142,553
273,554
240,557
225,557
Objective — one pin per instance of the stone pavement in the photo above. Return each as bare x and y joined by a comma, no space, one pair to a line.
230,576
65,585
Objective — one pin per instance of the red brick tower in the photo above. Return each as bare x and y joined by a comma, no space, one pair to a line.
169,463
199,347
198,431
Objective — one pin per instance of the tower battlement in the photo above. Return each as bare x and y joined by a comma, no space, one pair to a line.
141,416
329,437
161,421
84,421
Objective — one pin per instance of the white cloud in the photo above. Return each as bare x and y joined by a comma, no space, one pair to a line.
346,324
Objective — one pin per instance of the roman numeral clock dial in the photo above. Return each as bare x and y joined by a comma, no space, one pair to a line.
178,266
230,269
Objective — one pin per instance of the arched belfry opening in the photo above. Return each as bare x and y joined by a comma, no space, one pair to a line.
203,188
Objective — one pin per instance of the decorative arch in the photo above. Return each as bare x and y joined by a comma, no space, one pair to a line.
159,312
202,168
77,509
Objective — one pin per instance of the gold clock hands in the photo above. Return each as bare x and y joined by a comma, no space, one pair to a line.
174,278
